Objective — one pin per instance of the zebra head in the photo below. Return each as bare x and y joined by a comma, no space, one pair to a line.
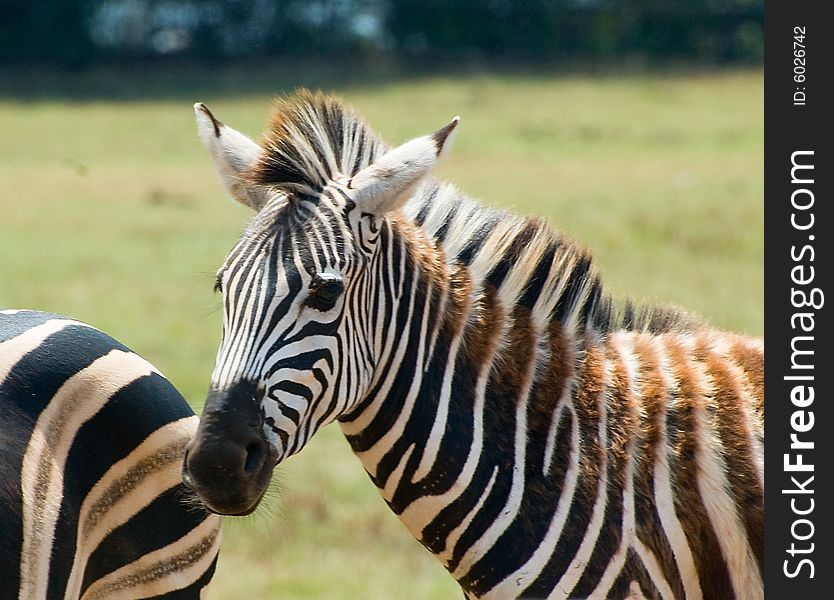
303,290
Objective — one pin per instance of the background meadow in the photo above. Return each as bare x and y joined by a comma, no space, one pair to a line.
110,212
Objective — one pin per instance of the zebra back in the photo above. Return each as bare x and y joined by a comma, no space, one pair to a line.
91,442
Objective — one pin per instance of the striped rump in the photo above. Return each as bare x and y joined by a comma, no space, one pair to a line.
91,443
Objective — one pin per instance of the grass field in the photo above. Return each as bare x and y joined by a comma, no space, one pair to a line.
111,213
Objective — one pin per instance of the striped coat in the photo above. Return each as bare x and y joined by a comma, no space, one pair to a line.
538,438
91,443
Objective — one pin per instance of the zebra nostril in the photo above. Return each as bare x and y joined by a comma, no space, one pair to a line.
255,455
184,469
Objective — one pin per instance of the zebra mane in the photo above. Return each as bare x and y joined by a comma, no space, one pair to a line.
532,265
313,137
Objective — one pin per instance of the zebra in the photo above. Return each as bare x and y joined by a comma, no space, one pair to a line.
91,498
538,438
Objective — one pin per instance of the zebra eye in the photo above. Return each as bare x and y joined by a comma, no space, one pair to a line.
218,284
325,289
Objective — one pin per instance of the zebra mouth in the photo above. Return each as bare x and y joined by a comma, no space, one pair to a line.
227,511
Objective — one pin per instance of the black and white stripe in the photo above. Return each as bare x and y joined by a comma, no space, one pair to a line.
538,439
91,444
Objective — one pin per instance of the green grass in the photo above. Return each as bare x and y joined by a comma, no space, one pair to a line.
111,212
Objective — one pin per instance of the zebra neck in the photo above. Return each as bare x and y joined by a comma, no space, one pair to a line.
524,448
463,382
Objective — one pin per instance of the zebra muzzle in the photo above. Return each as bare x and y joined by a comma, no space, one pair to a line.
229,462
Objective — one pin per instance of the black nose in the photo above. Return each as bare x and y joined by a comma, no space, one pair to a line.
228,462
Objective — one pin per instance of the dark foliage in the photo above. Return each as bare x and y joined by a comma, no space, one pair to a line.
68,34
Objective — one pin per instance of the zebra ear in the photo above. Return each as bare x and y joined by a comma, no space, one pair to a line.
233,155
386,184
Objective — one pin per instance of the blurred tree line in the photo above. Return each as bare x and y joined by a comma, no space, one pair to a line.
76,33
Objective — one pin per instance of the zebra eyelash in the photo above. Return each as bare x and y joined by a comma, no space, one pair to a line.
325,290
